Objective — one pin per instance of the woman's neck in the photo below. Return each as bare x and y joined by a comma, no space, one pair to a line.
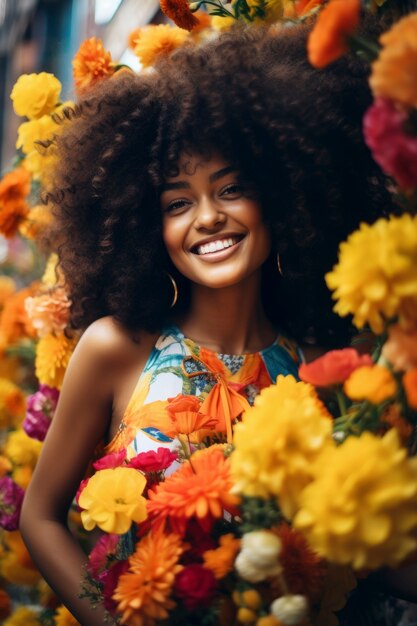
230,320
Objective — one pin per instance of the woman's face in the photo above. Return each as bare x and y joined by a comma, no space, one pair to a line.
212,223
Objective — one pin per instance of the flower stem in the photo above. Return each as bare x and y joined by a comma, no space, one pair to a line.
220,7
341,401
369,50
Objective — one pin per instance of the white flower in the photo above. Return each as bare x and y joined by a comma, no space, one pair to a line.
290,610
262,548
252,572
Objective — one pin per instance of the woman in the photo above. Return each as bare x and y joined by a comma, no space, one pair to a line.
198,208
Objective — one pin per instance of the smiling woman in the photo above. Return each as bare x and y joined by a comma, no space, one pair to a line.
212,179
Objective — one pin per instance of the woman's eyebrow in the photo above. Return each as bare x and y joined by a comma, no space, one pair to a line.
220,173
180,184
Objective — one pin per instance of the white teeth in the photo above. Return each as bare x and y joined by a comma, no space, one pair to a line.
216,246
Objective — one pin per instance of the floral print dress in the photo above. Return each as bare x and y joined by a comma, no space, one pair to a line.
225,384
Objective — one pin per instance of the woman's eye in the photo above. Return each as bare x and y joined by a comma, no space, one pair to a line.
232,190
176,207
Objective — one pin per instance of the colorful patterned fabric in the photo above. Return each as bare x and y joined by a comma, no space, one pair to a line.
226,384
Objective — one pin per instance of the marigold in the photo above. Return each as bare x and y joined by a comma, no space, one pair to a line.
52,275
376,275
393,72
7,288
277,442
21,449
14,572
362,513
14,186
35,95
53,353
400,349
49,312
5,465
410,387
37,221
158,41
112,500
63,617
23,616
144,592
179,12
373,383
328,40
12,403
11,216
220,560
91,64
221,23
201,490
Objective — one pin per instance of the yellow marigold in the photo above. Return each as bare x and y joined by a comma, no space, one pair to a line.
373,383
376,275
274,10
53,353
37,158
7,288
112,500
158,41
277,442
221,560
5,465
15,544
37,221
361,509
91,64
22,449
63,617
22,475
52,276
222,23
14,572
144,593
35,95
12,403
393,72
23,616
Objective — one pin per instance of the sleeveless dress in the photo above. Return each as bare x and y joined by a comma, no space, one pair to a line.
226,384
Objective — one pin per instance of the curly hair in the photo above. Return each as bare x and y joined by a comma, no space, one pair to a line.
292,131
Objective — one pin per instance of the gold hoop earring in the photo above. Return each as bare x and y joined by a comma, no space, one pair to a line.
175,296
279,266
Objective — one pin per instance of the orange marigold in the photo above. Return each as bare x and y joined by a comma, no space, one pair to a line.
53,353
14,187
410,387
133,38
11,216
158,41
179,12
143,593
14,321
91,64
37,221
201,490
221,560
328,40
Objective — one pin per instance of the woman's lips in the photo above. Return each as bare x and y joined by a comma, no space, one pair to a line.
218,249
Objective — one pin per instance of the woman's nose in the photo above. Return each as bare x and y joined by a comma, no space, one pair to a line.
208,215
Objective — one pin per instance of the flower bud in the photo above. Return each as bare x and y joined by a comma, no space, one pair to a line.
290,609
262,547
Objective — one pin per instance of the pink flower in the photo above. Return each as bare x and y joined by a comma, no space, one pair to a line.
333,367
105,547
392,148
110,461
11,498
195,585
110,583
80,489
49,313
153,461
40,411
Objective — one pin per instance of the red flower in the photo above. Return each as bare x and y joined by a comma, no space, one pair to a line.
391,147
110,461
333,367
195,585
198,540
110,580
153,461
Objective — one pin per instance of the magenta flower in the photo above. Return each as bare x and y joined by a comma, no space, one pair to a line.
11,498
105,547
392,148
153,461
40,411
110,461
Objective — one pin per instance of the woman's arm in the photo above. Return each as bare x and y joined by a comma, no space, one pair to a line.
81,421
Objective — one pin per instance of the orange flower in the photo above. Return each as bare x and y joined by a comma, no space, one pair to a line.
302,7
49,312
158,41
328,40
204,21
221,560
144,592
304,570
410,387
7,288
185,417
133,38
5,604
14,188
201,490
179,12
392,418
333,367
370,382
53,353
14,321
91,64
393,73
37,221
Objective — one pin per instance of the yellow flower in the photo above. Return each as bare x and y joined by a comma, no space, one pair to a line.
12,570
12,403
51,276
63,617
35,95
274,10
112,500
23,616
5,465
376,276
53,353
222,23
158,41
393,72
220,560
370,382
22,449
37,222
22,475
277,442
361,509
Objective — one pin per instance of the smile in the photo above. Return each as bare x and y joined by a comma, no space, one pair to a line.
217,245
